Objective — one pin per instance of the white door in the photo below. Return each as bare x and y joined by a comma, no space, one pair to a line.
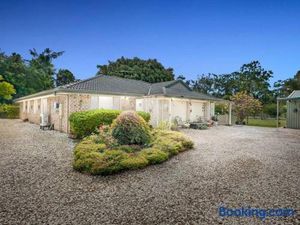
179,109
196,111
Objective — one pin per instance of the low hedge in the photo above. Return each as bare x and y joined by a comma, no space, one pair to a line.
9,111
93,156
85,123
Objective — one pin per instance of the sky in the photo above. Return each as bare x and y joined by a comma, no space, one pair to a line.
192,37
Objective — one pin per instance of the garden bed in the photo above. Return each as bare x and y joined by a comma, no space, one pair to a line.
127,144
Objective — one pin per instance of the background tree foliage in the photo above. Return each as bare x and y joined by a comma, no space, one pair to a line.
245,105
64,77
251,78
6,89
147,70
33,75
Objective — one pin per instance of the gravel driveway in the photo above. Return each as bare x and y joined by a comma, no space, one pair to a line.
233,166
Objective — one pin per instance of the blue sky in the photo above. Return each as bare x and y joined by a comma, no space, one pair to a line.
193,37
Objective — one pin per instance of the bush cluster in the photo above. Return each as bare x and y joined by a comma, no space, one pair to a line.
131,129
85,123
9,111
93,156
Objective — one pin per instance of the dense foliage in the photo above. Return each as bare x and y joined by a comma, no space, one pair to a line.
245,105
9,111
95,155
6,89
251,78
64,77
147,70
86,122
130,128
28,76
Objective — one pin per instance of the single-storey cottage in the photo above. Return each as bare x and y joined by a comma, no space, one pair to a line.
165,101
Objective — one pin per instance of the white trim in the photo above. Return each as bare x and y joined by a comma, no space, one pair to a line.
40,97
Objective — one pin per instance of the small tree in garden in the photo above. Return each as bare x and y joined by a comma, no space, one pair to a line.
245,105
130,128
6,89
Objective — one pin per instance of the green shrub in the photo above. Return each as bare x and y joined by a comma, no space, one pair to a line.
144,115
154,156
168,146
9,111
134,161
87,146
91,155
109,162
171,142
85,123
130,128
129,148
85,162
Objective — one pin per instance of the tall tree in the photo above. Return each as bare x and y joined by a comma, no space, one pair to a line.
64,77
14,70
251,78
42,69
285,87
29,76
255,80
147,70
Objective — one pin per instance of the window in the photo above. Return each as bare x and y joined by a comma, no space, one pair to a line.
105,102
56,106
101,102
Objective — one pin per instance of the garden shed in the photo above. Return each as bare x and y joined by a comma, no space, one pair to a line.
293,109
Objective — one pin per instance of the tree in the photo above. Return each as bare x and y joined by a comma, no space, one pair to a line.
255,80
14,71
283,88
206,84
42,69
64,77
147,70
29,76
245,105
6,89
251,78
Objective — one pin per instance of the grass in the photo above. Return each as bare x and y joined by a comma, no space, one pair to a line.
266,122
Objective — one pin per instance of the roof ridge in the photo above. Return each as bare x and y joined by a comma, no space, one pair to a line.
123,78
81,81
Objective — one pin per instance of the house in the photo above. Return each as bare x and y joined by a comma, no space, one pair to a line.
165,101
293,110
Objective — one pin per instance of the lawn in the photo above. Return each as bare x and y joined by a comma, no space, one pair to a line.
266,122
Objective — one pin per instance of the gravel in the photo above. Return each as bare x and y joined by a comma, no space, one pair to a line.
230,166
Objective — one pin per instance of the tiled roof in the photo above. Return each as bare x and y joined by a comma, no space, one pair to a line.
104,84
111,85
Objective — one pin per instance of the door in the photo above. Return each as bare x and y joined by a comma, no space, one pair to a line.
196,111
163,107
179,109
